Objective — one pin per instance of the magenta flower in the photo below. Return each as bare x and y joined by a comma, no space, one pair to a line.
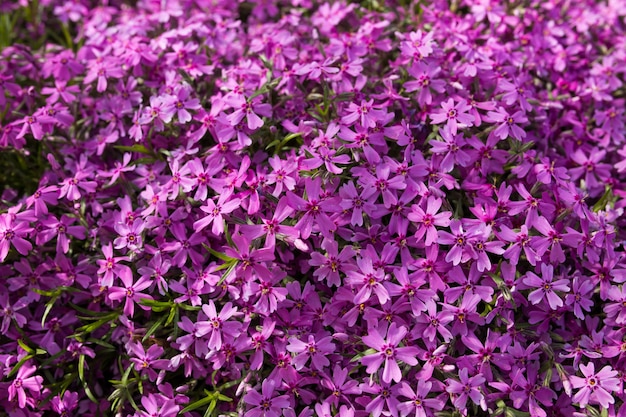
508,124
455,115
389,352
181,103
460,240
215,211
131,292
217,326
546,287
62,229
595,388
248,110
427,220
340,385
432,322
35,125
110,266
65,403
129,236
367,280
9,312
315,210
12,233
365,113
156,406
24,381
329,266
147,361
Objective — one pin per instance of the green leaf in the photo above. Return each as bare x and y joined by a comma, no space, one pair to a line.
366,352
135,148
606,199
19,365
217,254
90,394
211,408
81,367
222,397
230,269
197,404
90,328
171,316
153,328
24,346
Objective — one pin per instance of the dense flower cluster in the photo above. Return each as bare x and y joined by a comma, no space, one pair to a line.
302,208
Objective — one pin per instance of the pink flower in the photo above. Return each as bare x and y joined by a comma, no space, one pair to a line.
595,388
215,212
427,220
24,381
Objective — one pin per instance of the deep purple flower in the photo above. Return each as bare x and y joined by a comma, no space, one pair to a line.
266,404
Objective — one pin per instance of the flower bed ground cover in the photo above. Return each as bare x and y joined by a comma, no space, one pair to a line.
268,208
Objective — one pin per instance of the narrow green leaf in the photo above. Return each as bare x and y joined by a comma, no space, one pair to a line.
171,316
226,274
197,404
49,306
81,367
217,254
135,148
19,365
24,346
153,328
210,409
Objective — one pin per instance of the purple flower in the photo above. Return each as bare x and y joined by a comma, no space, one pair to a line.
157,406
340,386
418,403
12,233
459,239
313,349
508,124
467,387
367,280
546,287
389,352
248,110
147,361
266,404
